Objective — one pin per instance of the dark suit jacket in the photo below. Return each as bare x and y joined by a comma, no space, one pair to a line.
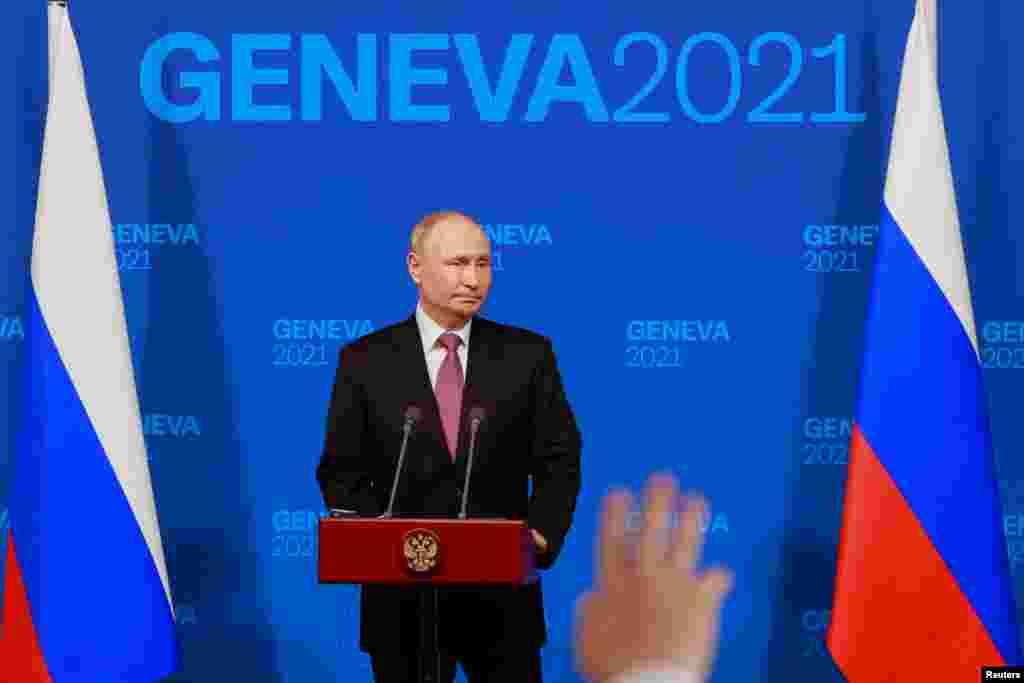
529,437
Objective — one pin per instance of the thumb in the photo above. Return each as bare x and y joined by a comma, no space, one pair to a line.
716,584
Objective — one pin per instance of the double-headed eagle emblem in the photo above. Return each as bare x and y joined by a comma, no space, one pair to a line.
421,550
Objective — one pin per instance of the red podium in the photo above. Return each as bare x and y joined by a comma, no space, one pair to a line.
429,553
425,551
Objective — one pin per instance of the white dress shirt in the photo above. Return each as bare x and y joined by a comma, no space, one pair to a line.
661,675
430,331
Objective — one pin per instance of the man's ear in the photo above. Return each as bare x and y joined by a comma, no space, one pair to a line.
413,263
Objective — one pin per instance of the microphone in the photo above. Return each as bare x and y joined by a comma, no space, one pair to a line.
411,417
476,418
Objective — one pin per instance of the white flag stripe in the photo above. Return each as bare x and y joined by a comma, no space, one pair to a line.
74,274
919,185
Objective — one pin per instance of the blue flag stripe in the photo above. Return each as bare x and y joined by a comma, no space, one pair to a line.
98,603
920,405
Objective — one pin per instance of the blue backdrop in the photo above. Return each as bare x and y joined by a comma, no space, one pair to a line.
683,196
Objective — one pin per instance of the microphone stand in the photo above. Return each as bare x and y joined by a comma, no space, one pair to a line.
473,427
410,420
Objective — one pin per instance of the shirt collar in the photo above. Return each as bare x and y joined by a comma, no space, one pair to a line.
430,330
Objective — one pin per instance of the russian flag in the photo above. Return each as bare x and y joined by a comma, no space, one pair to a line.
86,594
923,586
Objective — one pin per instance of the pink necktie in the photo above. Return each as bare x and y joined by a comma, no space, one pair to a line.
449,390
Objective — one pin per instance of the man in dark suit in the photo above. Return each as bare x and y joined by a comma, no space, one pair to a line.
446,360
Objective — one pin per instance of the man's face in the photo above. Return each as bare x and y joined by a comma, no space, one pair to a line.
454,271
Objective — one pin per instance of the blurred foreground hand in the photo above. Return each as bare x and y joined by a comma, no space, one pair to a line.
651,616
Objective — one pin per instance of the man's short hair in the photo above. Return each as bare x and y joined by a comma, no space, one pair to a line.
422,230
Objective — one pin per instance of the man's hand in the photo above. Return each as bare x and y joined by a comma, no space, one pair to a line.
650,608
539,541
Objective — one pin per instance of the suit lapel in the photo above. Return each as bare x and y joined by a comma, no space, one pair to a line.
421,391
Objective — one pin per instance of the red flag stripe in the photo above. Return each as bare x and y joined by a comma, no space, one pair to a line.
19,647
899,615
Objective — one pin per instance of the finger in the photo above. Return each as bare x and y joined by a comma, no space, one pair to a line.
588,640
582,607
715,585
581,622
612,543
660,498
689,536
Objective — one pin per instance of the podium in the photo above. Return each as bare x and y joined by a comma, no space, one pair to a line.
425,552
